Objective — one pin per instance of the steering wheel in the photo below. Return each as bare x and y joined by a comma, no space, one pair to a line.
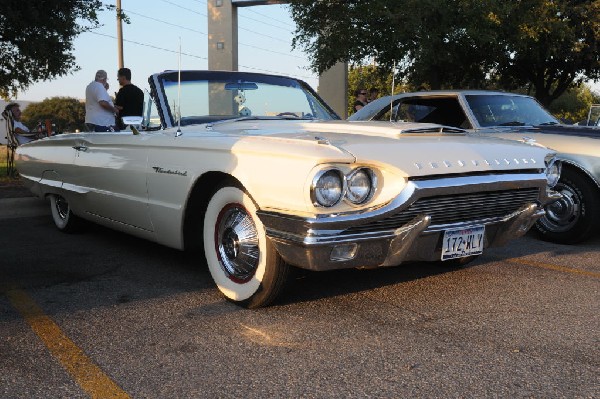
287,114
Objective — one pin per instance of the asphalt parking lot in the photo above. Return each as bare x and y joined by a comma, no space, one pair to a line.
102,314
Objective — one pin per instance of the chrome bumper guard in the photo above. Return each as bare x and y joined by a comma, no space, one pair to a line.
309,242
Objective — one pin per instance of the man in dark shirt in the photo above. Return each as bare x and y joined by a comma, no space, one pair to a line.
130,98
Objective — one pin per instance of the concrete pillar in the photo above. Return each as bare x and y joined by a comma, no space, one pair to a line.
222,52
222,35
333,88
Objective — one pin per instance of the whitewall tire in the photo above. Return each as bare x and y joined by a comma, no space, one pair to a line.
64,219
243,263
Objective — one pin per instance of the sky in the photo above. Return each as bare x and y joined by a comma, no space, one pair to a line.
151,44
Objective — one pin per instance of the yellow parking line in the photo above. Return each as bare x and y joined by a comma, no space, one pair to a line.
563,269
85,373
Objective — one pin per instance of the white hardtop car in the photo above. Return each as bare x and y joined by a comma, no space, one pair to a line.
576,215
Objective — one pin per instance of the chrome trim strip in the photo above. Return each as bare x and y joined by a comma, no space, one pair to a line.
281,223
411,242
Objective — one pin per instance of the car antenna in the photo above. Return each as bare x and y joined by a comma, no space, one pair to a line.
178,132
392,96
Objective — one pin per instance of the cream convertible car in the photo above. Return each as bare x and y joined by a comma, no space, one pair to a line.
260,175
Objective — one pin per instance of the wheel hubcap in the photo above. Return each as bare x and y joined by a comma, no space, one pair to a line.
62,207
237,243
563,214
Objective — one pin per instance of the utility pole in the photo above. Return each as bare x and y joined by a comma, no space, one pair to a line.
119,35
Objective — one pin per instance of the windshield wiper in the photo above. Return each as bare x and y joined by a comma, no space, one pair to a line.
210,125
512,123
548,124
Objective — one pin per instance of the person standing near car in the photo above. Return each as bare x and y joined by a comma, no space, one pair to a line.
130,98
99,108
360,100
373,94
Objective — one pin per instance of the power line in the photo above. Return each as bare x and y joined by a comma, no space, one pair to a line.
184,8
165,22
149,45
194,55
205,15
271,18
262,15
263,35
206,34
266,23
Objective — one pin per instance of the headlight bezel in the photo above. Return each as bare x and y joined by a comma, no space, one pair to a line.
345,176
314,186
372,177
552,171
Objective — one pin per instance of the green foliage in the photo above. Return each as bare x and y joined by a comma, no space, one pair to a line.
551,45
66,113
574,104
461,44
36,39
368,76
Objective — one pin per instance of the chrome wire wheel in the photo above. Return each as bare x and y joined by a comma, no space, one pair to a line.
63,217
236,239
62,207
243,263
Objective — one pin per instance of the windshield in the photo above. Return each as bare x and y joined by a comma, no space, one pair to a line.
208,96
508,110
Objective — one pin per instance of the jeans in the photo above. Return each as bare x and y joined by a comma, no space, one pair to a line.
99,128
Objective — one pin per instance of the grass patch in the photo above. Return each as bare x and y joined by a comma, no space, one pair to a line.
4,179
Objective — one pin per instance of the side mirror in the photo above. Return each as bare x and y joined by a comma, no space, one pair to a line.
134,122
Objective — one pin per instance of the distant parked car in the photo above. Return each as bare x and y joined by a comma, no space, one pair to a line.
256,173
576,216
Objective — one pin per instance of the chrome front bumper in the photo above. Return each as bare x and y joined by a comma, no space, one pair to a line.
312,243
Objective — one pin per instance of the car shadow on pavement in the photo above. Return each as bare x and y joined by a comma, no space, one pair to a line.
124,269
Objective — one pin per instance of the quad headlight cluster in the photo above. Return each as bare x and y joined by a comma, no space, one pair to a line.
553,169
330,186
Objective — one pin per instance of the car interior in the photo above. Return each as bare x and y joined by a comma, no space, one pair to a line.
441,110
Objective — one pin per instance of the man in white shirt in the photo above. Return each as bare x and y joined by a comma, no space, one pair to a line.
22,133
99,109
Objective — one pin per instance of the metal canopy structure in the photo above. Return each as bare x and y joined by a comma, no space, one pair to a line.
248,3
223,50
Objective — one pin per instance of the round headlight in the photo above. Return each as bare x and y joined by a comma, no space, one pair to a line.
360,186
553,172
328,188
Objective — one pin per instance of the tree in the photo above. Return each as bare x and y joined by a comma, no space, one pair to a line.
66,113
368,76
549,45
36,39
574,104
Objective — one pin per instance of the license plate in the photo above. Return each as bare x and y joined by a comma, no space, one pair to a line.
461,243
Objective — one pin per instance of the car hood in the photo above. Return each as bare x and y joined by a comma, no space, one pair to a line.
415,149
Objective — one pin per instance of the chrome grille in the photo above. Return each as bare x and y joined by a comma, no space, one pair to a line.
448,209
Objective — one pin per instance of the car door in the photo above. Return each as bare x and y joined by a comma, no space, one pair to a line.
112,166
